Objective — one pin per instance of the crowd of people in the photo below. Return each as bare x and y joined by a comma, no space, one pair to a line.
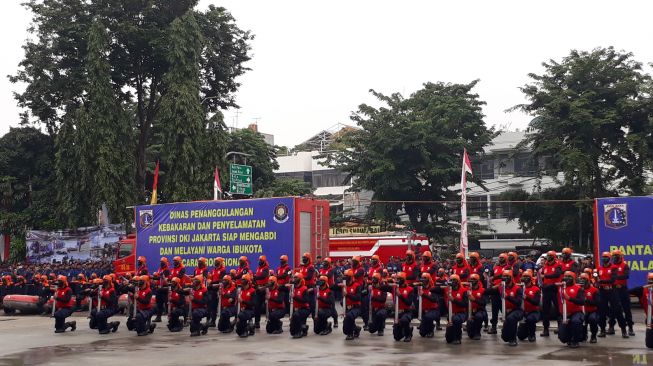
587,303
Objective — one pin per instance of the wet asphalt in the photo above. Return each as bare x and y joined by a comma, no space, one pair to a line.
29,340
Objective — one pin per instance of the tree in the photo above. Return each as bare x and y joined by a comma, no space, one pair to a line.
263,157
182,117
285,188
411,150
55,61
593,121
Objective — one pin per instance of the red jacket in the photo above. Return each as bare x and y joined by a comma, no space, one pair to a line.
300,298
262,275
281,271
532,299
551,270
226,294
478,294
64,298
575,302
247,299
405,293
459,303
623,271
353,292
144,299
199,298
591,299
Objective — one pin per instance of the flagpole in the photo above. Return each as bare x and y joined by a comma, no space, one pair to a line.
466,167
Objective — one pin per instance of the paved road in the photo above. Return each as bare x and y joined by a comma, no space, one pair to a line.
29,340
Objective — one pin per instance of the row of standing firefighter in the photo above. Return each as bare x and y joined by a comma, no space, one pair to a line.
237,299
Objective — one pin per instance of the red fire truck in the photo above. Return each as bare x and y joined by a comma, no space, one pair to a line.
385,245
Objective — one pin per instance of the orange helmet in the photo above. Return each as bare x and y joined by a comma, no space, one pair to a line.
327,259
410,252
506,273
219,260
503,256
176,259
164,260
262,258
64,279
176,280
242,258
200,278
566,251
246,277
528,273
401,275
454,277
377,276
97,281
375,257
474,255
588,271
585,276
284,258
427,254
427,277
233,273
202,260
141,259
475,276
649,276
617,252
325,279
349,273
605,254
272,280
308,256
300,277
571,274
227,278
356,258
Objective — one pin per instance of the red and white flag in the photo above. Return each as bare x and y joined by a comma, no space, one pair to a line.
217,187
467,168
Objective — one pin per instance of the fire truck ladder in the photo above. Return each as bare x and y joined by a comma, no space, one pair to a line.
319,227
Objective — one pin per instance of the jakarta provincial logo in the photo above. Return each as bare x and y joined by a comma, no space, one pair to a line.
146,218
615,216
280,213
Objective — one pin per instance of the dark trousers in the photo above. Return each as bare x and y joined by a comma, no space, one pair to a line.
101,318
624,300
427,324
321,322
479,317
365,309
495,298
274,320
174,324
549,298
592,320
161,300
378,320
60,316
143,318
213,306
457,324
259,305
510,325
244,316
531,320
285,292
349,324
196,318
224,324
576,327
404,323
610,307
92,324
298,320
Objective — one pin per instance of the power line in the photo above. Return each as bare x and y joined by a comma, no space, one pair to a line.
496,201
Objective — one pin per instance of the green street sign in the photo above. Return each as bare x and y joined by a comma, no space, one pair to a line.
241,179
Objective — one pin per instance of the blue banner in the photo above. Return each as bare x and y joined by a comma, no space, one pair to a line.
210,229
626,223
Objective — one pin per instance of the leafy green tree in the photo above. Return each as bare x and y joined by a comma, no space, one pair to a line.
54,67
593,121
410,149
284,188
182,117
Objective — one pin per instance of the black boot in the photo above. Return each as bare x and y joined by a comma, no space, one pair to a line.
157,319
624,334
409,336
631,332
379,333
602,333
610,330
349,337
104,331
205,329
593,338
114,326
72,325
545,332
492,330
251,329
357,332
513,343
304,330
151,328
194,334
335,322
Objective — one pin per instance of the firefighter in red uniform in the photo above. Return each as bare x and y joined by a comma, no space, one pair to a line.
283,274
309,274
325,304
608,302
428,265
142,266
353,310
177,306
441,280
329,272
228,295
476,294
551,274
457,294
214,280
301,307
108,307
514,266
575,299
379,296
144,307
430,306
475,265
531,304
406,298
591,294
276,307
622,270
178,270
65,304
375,267
202,268
261,281
359,277
160,278
410,268
513,295
461,268
567,262
495,295
641,292
198,303
247,304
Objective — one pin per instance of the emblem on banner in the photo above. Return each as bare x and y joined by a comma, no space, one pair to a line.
281,213
615,216
146,218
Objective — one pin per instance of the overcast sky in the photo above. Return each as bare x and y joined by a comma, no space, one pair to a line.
314,62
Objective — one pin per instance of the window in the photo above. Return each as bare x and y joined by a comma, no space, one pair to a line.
477,206
125,250
525,165
484,170
330,178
